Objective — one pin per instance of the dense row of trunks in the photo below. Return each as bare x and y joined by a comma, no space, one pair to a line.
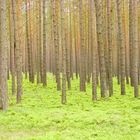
91,40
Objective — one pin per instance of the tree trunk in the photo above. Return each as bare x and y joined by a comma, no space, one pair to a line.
82,48
3,56
12,49
17,50
44,45
99,22
110,26
122,48
63,100
135,49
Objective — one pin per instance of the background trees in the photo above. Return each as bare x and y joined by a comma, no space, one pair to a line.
85,39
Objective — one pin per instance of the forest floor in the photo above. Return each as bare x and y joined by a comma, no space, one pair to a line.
40,115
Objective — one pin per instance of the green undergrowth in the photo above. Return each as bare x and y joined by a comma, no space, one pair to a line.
40,115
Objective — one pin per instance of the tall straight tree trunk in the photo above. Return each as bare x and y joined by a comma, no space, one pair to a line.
63,100
93,49
122,48
139,46
75,44
99,22
68,53
89,68
28,42
126,45
56,41
70,40
135,49
130,37
31,43
3,56
105,41
118,51
110,26
40,41
44,44
15,5
82,48
12,49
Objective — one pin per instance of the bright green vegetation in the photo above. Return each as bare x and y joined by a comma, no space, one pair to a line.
40,116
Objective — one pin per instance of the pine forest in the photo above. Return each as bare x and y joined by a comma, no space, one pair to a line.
69,69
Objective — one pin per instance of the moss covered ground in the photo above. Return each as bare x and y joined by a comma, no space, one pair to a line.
40,115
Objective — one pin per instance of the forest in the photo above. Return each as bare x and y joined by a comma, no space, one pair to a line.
69,69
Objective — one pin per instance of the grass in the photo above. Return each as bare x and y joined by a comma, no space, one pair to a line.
40,115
